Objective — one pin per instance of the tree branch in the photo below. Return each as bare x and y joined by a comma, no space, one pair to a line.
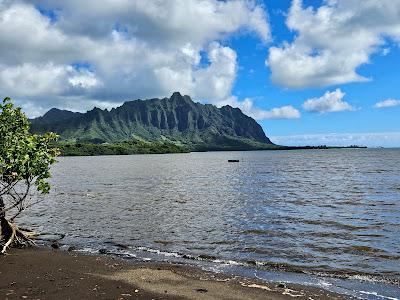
18,199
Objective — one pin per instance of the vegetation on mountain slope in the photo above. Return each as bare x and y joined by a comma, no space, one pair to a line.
154,126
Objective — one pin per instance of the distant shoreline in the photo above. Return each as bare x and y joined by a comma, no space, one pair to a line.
320,147
126,148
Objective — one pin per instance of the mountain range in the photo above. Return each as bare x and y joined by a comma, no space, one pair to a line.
176,120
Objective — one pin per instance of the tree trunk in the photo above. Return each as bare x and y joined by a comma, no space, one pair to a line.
6,231
2,220
2,207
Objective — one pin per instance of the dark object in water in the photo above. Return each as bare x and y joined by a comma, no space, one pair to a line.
233,160
55,245
281,285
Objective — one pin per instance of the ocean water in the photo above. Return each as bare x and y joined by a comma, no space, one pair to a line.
328,218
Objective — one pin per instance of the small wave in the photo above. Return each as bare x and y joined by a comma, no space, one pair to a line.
377,295
117,245
339,225
133,252
359,277
164,243
375,252
265,232
367,249
254,231
159,252
224,242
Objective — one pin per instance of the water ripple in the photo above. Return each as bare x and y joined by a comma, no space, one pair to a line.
334,211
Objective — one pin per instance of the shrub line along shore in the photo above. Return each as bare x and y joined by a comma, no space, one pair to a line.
41,273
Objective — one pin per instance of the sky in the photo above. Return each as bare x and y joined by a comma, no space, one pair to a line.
311,72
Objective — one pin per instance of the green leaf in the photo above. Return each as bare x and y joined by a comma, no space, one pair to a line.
24,156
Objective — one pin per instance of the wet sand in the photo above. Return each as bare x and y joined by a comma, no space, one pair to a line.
53,274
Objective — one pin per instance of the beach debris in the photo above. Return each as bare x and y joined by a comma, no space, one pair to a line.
103,251
281,285
257,286
291,293
71,248
206,257
55,245
121,246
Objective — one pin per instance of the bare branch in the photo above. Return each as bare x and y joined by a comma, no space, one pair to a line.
18,198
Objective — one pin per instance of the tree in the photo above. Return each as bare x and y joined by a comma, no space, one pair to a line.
25,161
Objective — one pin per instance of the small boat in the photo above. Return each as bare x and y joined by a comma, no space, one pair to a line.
233,160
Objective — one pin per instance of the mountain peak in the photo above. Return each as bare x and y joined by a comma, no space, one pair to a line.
176,95
55,114
54,111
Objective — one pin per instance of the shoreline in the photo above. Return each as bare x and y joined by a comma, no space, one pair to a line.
41,273
279,148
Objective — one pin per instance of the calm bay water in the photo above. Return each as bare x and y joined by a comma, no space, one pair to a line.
331,213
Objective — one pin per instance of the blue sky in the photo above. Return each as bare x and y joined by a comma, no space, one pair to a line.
384,72
310,72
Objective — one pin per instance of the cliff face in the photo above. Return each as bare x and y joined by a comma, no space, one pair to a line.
176,119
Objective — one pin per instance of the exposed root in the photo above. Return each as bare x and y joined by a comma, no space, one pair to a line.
10,237
14,236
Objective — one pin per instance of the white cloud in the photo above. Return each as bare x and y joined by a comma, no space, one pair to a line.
332,41
163,21
247,107
387,103
44,79
384,139
385,51
87,80
284,112
213,82
124,49
329,102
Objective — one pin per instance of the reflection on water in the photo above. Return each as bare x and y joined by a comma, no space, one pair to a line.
331,211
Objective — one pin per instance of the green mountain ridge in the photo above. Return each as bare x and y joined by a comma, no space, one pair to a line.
175,120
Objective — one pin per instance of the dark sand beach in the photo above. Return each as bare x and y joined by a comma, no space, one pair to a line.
39,273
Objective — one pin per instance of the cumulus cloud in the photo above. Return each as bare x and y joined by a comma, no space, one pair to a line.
37,80
213,82
120,50
247,107
284,112
387,103
329,102
384,139
332,41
